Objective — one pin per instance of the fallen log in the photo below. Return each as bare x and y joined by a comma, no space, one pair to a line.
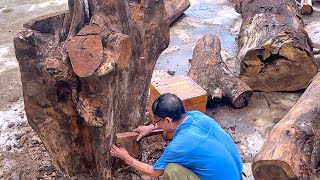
306,7
275,52
128,141
211,73
175,8
292,150
86,76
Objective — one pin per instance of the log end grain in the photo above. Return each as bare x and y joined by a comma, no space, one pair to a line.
272,170
278,69
275,52
242,100
306,10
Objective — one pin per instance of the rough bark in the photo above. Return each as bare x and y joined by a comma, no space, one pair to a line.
275,52
86,74
292,150
211,73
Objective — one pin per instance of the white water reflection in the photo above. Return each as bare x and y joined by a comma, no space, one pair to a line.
13,14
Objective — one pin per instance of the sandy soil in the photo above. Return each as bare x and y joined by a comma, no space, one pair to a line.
23,156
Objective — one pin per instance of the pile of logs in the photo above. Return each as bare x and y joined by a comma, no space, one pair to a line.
275,54
86,73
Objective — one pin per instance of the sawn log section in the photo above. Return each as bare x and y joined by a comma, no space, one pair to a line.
275,52
292,150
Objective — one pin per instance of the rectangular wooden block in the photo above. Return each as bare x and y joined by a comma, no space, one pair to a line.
192,95
128,141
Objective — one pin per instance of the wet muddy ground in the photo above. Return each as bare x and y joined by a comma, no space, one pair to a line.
22,155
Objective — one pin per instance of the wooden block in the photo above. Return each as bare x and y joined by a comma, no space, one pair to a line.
128,141
192,95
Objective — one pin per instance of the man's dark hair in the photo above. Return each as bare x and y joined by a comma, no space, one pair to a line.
168,105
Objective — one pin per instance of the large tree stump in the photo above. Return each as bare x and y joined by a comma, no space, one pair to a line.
211,73
292,150
86,74
275,52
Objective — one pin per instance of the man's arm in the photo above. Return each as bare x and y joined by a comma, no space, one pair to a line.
140,166
145,130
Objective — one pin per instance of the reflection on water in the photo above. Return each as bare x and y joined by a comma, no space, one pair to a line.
13,14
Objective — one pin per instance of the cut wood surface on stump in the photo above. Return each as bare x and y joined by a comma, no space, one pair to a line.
275,52
211,73
292,150
86,74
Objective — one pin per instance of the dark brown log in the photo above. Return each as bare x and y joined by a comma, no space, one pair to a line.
83,82
211,73
306,7
175,8
292,149
275,52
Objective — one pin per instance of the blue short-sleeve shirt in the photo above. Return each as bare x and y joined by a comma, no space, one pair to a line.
202,146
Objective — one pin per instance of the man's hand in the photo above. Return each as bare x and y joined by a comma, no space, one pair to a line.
140,166
144,130
121,153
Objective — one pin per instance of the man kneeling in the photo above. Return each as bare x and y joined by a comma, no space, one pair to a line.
200,148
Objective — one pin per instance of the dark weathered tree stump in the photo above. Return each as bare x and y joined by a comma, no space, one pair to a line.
292,150
211,73
86,74
275,52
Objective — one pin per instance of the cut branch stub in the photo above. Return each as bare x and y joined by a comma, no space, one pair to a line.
292,149
117,53
119,49
275,52
86,51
